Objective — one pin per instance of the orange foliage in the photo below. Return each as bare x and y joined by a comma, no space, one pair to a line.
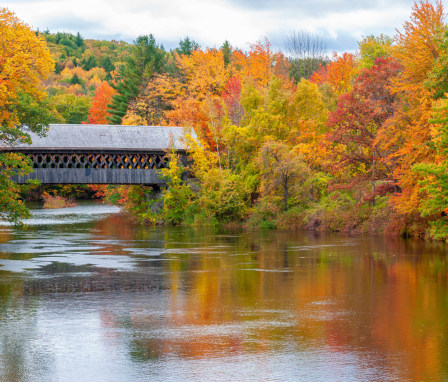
261,63
406,134
98,111
204,71
338,73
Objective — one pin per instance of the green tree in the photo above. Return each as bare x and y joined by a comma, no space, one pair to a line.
187,46
145,59
178,195
373,47
107,64
89,63
75,80
70,108
226,52
79,41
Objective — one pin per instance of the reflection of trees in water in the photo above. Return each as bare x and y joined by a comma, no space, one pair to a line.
222,294
351,293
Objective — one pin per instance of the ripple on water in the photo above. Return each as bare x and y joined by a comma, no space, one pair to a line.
70,215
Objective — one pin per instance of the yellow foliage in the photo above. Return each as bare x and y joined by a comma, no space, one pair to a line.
24,63
132,119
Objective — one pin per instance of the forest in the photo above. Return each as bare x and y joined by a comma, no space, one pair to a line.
354,142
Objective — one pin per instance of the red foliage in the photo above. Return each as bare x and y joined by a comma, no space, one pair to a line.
360,113
231,97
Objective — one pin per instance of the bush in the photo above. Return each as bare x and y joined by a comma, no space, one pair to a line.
54,202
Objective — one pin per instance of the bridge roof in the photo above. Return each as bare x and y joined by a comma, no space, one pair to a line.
108,137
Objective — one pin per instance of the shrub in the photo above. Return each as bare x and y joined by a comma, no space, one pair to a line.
54,202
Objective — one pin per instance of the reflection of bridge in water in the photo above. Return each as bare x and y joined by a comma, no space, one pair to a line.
101,154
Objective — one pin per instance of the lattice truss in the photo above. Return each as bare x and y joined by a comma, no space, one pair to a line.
86,160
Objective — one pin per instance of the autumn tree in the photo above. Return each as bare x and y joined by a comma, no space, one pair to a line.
407,133
338,73
261,63
373,47
283,173
359,115
434,183
24,63
98,111
308,114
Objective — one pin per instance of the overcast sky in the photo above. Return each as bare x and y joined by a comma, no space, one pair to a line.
210,22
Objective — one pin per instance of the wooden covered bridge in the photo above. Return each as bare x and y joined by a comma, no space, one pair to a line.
101,154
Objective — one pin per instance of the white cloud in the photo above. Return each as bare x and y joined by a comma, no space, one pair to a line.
212,22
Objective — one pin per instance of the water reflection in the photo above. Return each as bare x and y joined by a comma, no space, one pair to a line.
102,299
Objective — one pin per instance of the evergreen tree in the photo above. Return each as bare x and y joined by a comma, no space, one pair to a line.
227,52
79,41
187,46
89,63
107,64
145,59
75,80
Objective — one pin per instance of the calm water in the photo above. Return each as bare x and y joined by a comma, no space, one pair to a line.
87,296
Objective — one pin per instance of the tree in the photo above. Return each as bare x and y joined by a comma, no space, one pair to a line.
145,59
88,63
75,80
79,41
70,108
261,63
98,111
107,64
338,73
25,63
359,115
308,52
308,114
178,195
187,46
434,185
407,133
226,49
373,47
282,171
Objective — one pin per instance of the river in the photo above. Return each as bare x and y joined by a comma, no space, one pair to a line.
85,295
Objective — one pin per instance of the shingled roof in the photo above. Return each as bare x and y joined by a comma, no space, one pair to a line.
108,137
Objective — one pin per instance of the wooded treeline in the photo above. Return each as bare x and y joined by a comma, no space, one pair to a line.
355,143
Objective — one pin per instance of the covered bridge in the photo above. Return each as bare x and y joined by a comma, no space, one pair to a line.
101,154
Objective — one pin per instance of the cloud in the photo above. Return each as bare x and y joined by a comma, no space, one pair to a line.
210,23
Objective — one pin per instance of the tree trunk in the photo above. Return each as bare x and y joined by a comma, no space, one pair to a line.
285,193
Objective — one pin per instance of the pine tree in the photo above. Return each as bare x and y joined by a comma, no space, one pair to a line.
79,41
187,46
227,52
144,60
75,80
